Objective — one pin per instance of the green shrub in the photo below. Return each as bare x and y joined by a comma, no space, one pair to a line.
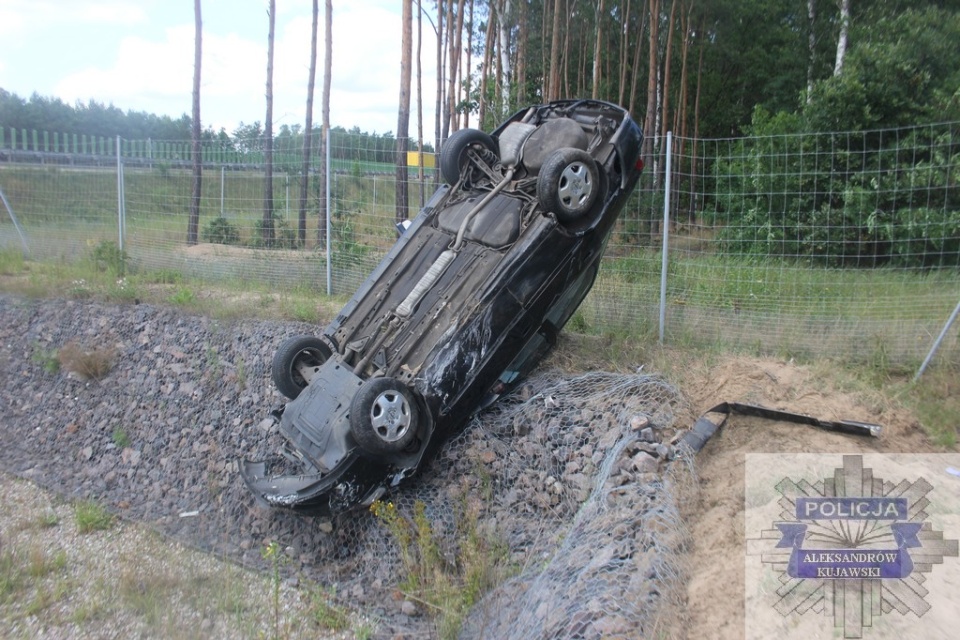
109,257
220,231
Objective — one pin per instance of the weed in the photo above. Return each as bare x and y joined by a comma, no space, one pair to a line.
326,612
147,593
241,373
12,576
214,363
183,296
271,553
163,276
448,587
11,262
40,563
80,289
91,516
46,358
122,290
120,438
303,311
936,399
108,256
48,519
87,363
578,323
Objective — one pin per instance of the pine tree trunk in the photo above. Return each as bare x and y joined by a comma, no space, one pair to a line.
503,16
325,135
194,222
308,129
437,112
811,46
696,131
649,126
842,40
635,71
553,91
455,73
624,49
485,72
521,90
595,92
403,113
420,174
266,230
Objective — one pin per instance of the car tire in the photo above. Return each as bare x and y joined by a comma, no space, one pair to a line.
383,417
453,156
569,184
293,353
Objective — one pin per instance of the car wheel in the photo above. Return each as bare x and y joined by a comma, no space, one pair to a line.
568,184
293,361
383,416
453,155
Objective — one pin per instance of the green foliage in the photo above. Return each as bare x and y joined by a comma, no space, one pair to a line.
183,296
91,516
11,262
448,586
326,612
272,554
284,236
120,438
46,358
221,231
109,257
855,199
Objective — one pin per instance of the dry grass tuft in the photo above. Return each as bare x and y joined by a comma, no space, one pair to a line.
88,363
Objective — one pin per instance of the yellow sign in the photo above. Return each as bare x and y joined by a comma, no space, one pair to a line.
413,159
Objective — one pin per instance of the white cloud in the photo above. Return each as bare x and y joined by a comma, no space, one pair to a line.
15,15
156,74
143,73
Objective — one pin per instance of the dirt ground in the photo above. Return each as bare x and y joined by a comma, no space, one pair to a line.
715,513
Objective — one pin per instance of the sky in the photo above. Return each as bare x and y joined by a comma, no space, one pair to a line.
138,55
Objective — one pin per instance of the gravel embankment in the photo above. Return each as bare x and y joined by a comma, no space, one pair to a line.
157,440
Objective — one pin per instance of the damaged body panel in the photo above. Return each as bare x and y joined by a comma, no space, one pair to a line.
464,305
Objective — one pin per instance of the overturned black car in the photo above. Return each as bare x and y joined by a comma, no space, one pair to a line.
465,304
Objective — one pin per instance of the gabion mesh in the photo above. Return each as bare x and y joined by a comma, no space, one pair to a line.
570,475
581,464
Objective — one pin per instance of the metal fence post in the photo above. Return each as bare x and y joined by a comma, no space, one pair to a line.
223,175
666,235
121,215
327,221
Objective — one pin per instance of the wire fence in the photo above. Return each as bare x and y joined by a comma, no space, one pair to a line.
838,244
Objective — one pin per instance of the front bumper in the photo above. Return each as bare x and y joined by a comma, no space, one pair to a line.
354,483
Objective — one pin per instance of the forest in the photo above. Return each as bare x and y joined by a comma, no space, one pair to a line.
699,68
717,69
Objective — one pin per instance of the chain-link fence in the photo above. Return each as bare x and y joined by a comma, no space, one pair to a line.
838,244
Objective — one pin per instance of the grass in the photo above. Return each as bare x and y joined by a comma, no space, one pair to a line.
445,588
120,438
89,363
125,581
90,516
